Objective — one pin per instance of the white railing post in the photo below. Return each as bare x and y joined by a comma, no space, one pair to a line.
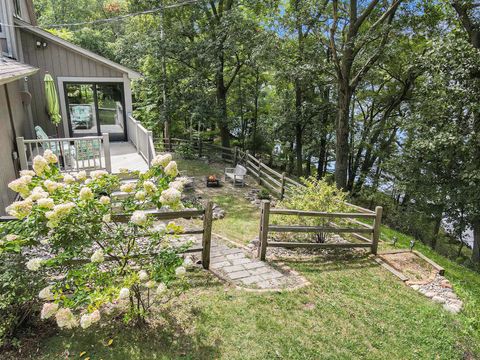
22,153
106,152
149,150
137,142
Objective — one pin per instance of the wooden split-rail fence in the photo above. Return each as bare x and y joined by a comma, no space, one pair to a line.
281,185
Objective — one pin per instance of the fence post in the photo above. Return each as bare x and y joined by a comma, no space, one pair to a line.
376,229
282,190
235,151
137,142
263,236
207,235
22,153
106,152
259,172
149,152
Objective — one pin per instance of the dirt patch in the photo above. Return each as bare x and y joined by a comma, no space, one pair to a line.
411,265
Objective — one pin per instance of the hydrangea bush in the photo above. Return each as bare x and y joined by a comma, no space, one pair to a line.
93,266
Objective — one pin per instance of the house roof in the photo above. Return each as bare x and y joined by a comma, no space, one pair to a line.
132,74
11,70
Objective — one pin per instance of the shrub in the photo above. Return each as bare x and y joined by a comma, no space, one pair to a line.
95,266
316,195
18,295
264,194
186,151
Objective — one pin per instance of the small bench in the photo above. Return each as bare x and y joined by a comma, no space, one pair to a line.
236,174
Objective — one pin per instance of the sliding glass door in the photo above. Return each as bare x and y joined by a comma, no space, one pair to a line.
96,108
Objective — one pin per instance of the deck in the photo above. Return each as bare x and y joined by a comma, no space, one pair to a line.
125,155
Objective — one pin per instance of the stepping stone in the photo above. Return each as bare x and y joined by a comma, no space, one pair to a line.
255,265
234,268
220,265
238,275
259,271
240,261
454,309
271,275
251,280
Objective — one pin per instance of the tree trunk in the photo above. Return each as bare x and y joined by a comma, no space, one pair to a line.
222,106
322,156
436,230
476,241
342,135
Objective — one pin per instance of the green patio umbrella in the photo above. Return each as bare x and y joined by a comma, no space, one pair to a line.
52,103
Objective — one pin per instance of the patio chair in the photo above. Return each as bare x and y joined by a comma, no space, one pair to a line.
66,150
236,174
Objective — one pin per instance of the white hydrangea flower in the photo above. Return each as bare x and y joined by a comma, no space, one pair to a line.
104,200
107,218
50,185
140,195
38,193
48,310
20,185
12,237
161,289
161,160
128,187
177,185
50,156
27,173
150,284
34,264
180,271
124,293
171,169
86,193
97,174
170,196
139,218
98,257
143,275
47,203
88,319
149,187
40,165
46,294
66,319
20,209
81,175
68,179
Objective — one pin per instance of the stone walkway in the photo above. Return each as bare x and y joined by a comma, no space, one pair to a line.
233,264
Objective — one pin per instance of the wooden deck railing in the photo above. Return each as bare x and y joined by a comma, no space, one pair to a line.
372,230
142,139
75,154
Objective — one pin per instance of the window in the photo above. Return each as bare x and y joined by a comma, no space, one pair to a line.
17,9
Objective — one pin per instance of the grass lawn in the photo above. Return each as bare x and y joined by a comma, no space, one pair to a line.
353,309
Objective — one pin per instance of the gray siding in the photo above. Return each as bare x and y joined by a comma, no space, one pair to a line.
8,167
58,61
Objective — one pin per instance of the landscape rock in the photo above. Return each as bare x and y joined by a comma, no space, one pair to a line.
439,299
453,308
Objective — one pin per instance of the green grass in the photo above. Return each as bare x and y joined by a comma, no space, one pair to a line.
241,223
354,309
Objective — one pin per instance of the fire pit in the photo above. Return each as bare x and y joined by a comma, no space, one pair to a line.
213,181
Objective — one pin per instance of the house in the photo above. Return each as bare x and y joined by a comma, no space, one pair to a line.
94,92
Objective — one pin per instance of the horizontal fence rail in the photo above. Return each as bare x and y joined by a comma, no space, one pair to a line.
205,231
142,139
75,154
266,228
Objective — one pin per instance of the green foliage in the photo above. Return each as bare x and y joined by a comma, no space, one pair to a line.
18,295
264,194
95,265
186,151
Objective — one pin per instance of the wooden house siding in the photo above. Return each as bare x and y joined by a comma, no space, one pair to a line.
59,61
9,167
